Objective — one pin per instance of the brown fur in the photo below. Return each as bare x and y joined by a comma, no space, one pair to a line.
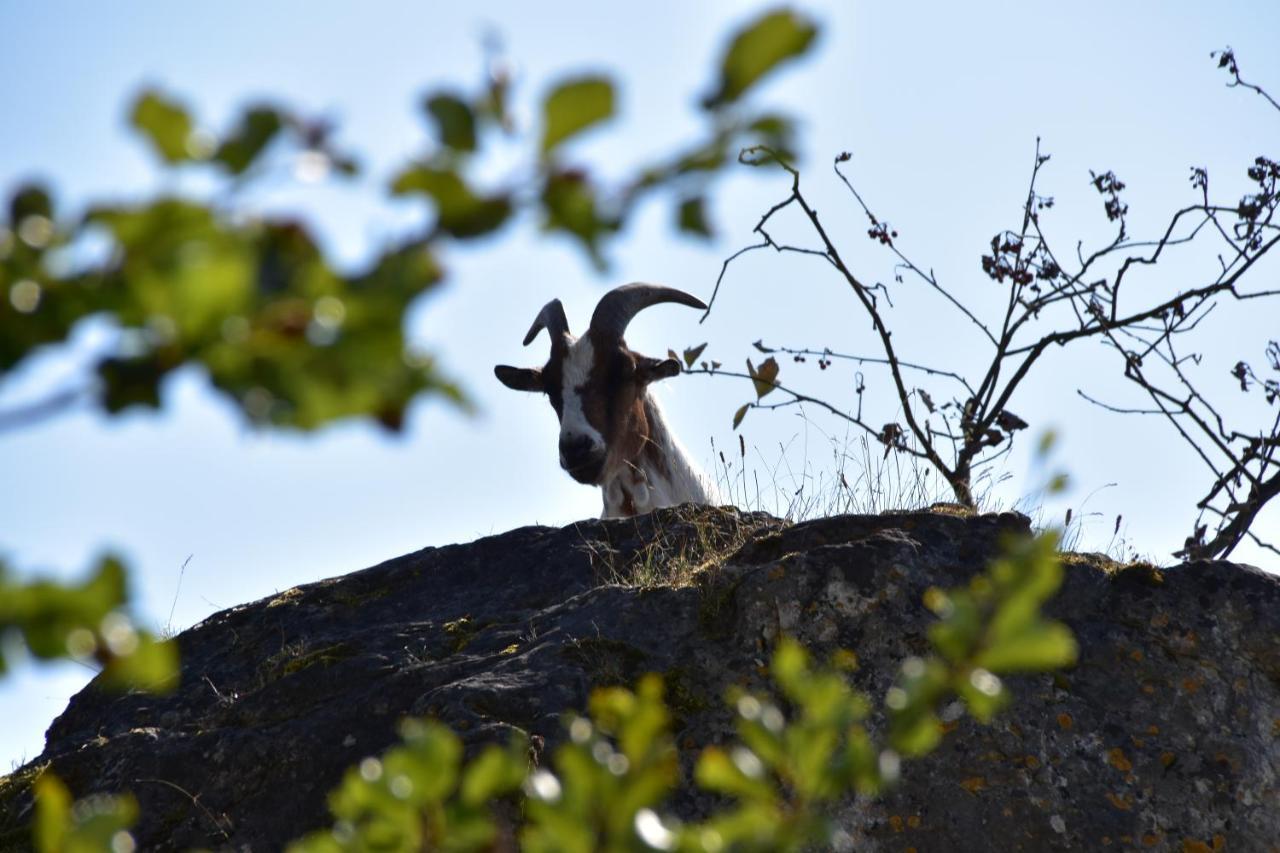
614,401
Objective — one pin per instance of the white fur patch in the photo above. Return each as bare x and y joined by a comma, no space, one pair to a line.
575,372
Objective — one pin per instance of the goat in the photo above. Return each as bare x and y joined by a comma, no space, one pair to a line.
612,433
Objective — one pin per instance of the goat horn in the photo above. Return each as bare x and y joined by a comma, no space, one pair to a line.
551,318
618,306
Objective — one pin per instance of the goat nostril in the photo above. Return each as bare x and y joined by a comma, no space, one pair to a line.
578,453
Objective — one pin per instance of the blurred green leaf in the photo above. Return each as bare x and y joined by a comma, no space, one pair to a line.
569,205
95,824
693,217
983,693
572,107
29,200
258,127
710,157
716,771
494,773
740,414
917,734
616,763
316,347
1048,439
753,827
47,613
790,667
454,120
179,272
131,382
459,210
691,354
165,124
143,663
429,759
86,622
1024,577
775,132
53,814
914,727
411,798
759,48
1037,647
960,627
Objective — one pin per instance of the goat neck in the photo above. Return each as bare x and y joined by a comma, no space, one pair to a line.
661,474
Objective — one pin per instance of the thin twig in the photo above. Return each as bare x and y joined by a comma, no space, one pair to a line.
195,801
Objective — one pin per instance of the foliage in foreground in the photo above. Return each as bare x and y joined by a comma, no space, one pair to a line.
95,824
86,622
293,341
281,331
89,623
799,747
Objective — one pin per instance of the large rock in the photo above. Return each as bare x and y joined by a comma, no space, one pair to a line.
1166,735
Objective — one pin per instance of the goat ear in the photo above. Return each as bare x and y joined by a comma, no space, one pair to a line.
519,378
652,369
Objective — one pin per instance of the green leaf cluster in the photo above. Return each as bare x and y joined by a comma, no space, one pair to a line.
419,796
786,766
278,328
94,824
618,764
992,627
86,622
165,124
169,129
797,748
573,106
757,49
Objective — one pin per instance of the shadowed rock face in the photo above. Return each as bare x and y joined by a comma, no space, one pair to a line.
1166,734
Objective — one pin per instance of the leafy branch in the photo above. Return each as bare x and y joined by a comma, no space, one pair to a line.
279,329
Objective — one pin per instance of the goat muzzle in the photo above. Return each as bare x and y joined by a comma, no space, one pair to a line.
582,458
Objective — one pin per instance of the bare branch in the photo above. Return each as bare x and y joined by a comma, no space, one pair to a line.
1227,59
907,262
1120,410
725,268
1048,305
862,359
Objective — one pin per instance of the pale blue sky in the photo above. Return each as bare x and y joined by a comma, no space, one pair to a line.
940,104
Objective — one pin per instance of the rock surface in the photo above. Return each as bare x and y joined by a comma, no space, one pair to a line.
1166,735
